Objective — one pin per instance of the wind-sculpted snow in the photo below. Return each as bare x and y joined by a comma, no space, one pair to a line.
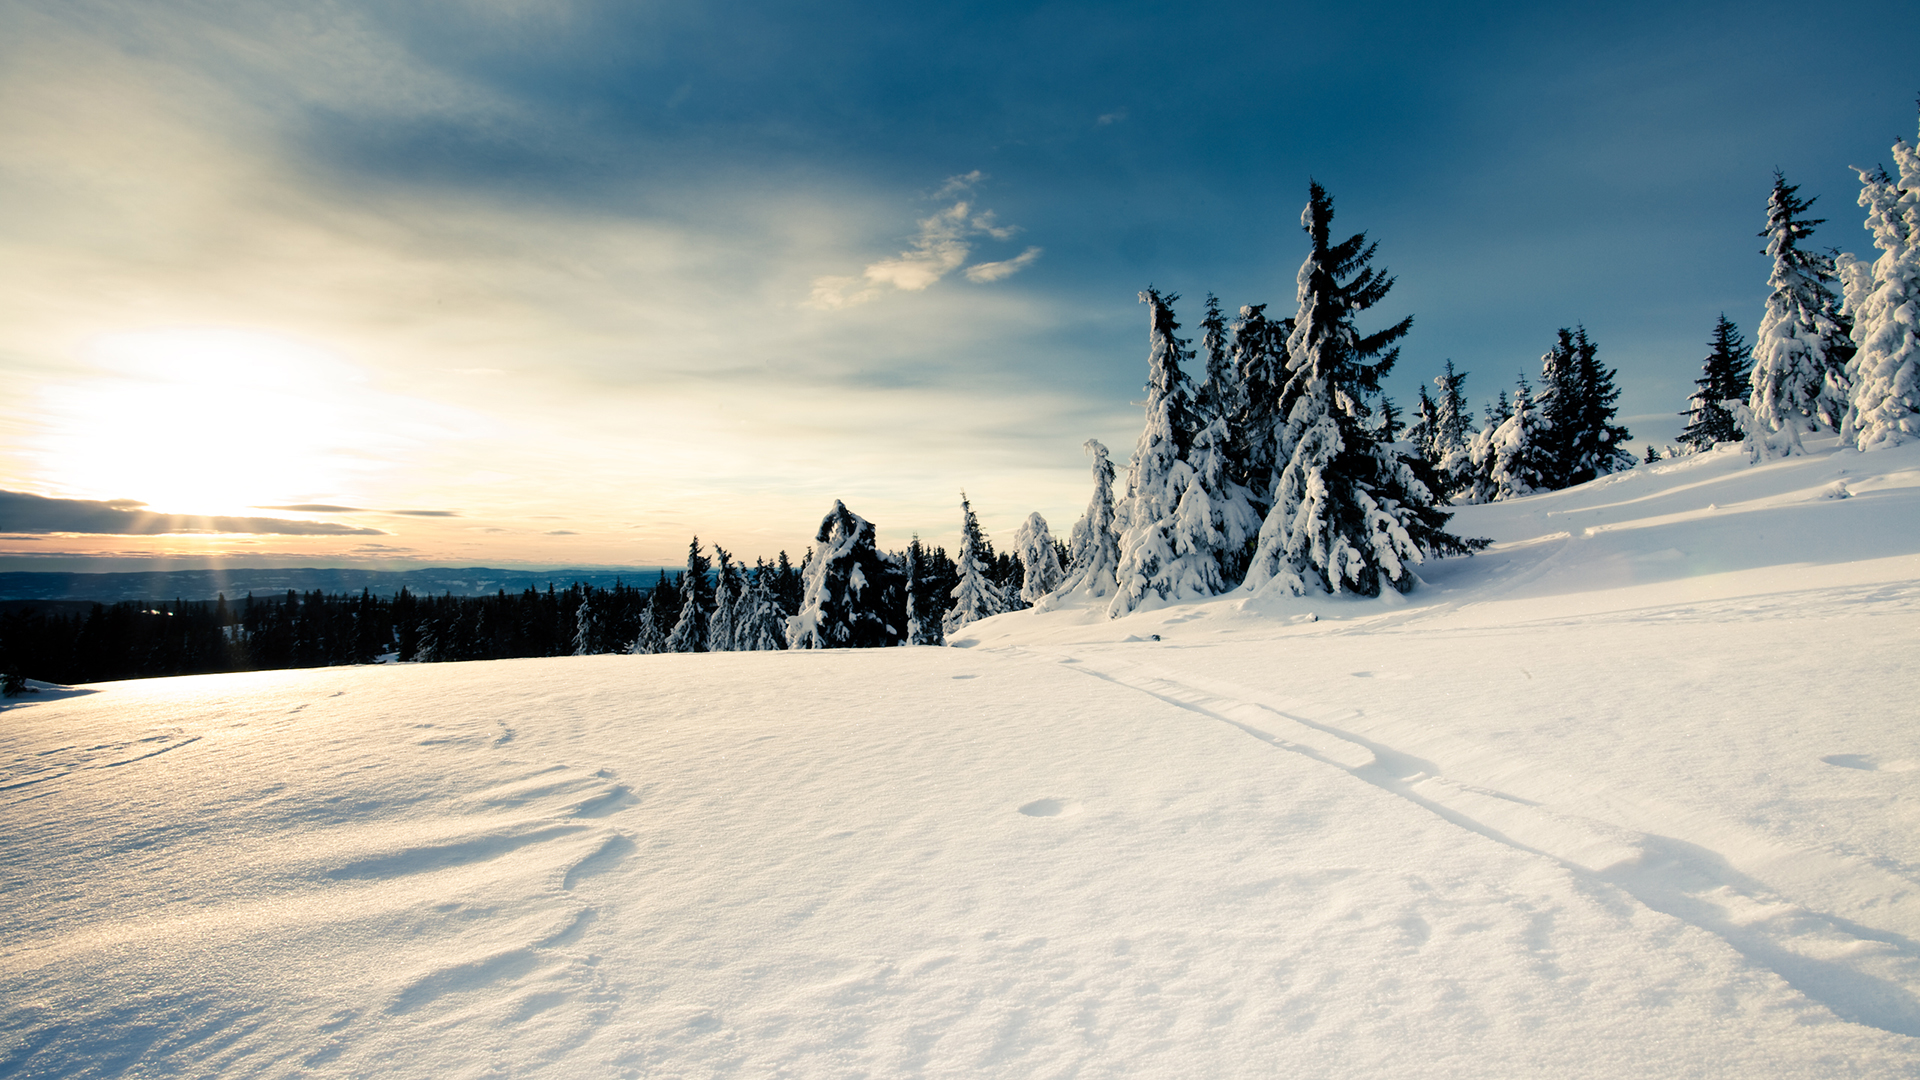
1632,794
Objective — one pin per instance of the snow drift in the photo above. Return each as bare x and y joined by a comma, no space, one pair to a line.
1633,793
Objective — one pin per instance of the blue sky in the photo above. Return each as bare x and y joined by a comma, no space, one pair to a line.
588,278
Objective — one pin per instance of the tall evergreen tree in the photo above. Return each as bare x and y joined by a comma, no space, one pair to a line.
1798,380
1094,541
1219,395
648,639
1483,455
1171,542
1260,356
690,631
1349,514
585,627
1447,450
1575,410
1883,299
924,613
1723,378
975,597
851,595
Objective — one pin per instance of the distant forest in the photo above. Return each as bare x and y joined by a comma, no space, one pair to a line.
149,639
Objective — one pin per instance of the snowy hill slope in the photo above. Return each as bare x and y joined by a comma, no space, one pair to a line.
1635,793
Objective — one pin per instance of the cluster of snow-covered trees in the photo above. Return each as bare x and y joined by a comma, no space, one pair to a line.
1838,349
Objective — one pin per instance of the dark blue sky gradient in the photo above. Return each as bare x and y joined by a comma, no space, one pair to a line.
1523,168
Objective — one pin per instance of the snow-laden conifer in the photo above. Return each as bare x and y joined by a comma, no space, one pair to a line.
723,626
649,640
851,595
1170,543
1447,448
975,597
1260,357
1575,409
690,632
585,626
1094,543
1477,483
1798,380
1884,300
1349,514
1723,380
1220,394
1033,546
1520,462
761,625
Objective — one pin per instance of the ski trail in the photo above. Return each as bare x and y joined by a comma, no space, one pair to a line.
1860,973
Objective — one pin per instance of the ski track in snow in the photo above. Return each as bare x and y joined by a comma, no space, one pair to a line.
1861,973
1631,795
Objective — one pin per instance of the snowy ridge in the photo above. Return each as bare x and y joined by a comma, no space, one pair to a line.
1631,794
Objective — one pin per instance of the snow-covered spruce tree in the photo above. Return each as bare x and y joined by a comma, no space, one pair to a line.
1220,394
1477,484
649,639
1033,545
1519,461
1575,411
722,627
975,597
1180,523
1798,380
1447,449
690,632
1723,380
1094,543
1884,301
1260,355
1349,514
851,595
585,627
761,625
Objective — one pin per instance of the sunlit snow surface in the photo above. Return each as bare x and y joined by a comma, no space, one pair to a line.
1637,793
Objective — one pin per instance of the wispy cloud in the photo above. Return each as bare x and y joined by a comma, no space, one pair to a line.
994,271
24,513
1113,117
941,246
329,508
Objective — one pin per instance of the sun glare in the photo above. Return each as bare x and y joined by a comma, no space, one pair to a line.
204,422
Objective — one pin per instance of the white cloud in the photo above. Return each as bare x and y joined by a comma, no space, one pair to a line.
940,247
994,271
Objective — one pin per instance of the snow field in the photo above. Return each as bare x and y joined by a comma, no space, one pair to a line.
1620,798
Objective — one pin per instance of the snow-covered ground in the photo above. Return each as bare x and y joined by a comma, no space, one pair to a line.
1636,793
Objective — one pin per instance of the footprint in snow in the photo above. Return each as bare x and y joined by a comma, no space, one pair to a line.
1050,808
1851,761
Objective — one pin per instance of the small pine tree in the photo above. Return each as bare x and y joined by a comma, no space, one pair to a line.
762,624
851,596
722,628
1723,380
1094,541
690,631
1883,299
1650,456
1034,546
585,626
649,639
975,597
1520,461
1349,514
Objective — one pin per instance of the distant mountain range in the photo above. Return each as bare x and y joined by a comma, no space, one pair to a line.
238,582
